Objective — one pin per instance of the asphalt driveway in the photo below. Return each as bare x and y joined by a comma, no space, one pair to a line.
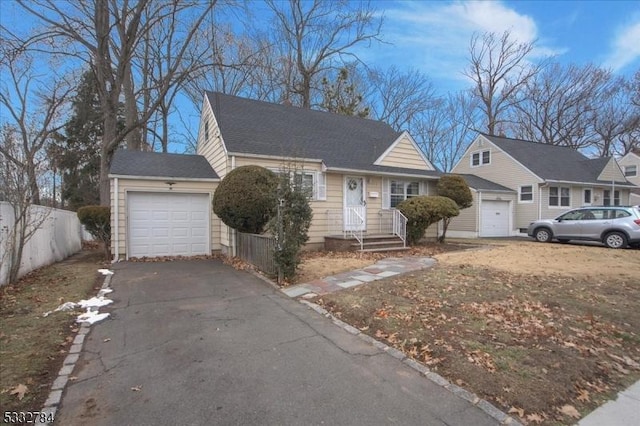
199,343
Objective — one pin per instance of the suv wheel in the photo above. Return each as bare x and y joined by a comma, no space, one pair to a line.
615,240
543,235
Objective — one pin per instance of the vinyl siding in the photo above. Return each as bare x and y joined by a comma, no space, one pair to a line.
404,154
467,220
631,160
597,198
612,172
212,148
507,172
128,185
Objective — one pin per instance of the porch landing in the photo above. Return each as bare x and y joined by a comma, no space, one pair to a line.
370,243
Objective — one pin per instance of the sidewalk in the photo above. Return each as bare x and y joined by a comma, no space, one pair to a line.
384,268
624,411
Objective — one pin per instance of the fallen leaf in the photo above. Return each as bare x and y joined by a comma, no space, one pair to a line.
137,388
583,395
108,339
518,411
535,417
19,390
570,410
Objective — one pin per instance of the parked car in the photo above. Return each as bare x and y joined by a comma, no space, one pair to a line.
614,226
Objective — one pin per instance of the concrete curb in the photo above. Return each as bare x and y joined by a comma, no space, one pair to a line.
423,370
57,388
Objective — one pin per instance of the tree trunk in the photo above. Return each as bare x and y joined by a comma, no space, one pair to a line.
134,141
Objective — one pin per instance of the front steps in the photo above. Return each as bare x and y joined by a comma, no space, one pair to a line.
370,243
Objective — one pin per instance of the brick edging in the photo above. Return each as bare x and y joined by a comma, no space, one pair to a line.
484,405
57,388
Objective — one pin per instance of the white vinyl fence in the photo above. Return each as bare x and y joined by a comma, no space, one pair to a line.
58,237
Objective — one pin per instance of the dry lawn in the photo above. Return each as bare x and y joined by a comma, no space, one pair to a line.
32,347
546,332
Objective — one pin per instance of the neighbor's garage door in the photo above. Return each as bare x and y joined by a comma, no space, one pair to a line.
168,224
494,219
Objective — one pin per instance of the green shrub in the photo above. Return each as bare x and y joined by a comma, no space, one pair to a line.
290,225
245,200
423,211
97,221
456,188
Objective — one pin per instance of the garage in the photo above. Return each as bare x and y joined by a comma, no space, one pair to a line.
494,218
168,224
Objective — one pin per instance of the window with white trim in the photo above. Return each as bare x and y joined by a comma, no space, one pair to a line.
401,190
606,199
480,158
631,171
559,196
526,194
313,183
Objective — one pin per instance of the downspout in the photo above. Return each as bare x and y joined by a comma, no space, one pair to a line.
116,254
479,215
232,232
544,185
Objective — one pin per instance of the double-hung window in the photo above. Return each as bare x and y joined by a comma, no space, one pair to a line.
559,196
401,190
312,183
607,198
631,171
480,158
526,194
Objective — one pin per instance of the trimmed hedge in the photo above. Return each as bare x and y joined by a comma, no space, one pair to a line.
423,211
245,200
97,221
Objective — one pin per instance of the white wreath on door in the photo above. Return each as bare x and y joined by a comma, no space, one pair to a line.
353,184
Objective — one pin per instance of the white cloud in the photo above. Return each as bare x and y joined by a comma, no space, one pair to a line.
625,47
434,36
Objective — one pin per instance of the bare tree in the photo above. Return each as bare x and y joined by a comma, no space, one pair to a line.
400,98
107,35
616,119
559,106
312,37
34,105
499,68
445,131
17,190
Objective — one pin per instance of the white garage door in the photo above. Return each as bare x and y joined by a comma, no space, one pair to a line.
168,224
494,220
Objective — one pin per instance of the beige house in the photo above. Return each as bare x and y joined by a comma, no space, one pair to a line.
537,181
630,165
358,170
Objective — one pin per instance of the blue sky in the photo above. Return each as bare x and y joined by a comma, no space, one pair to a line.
433,36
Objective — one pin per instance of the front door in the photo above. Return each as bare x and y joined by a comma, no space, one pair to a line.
355,210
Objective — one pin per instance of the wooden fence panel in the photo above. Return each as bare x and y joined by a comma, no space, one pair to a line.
258,250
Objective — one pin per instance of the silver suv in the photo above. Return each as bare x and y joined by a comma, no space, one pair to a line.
614,226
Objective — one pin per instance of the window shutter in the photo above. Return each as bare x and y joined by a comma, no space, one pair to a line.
386,198
321,186
423,190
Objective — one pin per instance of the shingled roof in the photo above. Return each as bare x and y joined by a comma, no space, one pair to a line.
552,162
156,164
342,142
481,184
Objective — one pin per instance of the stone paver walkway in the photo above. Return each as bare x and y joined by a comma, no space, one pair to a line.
382,269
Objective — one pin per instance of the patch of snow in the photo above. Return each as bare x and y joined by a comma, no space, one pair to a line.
105,271
95,302
67,306
91,317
